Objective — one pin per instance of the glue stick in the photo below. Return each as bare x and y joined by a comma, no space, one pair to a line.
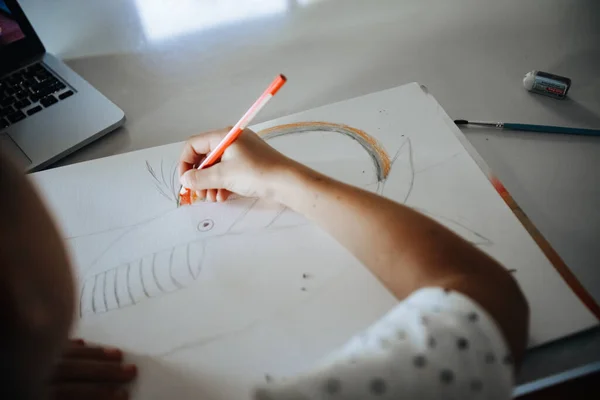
547,84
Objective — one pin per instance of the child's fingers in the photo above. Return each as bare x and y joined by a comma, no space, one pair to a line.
211,195
223,195
93,352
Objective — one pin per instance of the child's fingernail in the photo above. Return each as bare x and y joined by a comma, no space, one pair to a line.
129,368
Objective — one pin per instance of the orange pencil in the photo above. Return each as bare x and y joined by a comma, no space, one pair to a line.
186,195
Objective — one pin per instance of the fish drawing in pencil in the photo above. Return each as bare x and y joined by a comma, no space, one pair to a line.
165,263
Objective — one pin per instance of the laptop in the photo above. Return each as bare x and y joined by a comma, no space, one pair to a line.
46,110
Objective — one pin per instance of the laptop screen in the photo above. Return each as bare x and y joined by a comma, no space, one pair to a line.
10,31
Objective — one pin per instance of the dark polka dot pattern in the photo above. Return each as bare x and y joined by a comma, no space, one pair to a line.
476,385
332,386
378,386
452,350
446,376
431,342
419,361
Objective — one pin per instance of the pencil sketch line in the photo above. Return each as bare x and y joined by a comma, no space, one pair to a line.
112,243
175,188
399,151
480,236
272,229
128,227
129,284
104,291
201,261
278,313
162,172
381,185
145,274
484,241
438,164
142,280
276,217
162,192
161,184
94,294
151,170
81,298
115,288
173,177
242,215
173,261
175,282
412,171
187,259
207,340
154,274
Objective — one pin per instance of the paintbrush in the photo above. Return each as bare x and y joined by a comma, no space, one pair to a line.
531,128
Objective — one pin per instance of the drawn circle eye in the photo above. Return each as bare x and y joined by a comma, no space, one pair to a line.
206,225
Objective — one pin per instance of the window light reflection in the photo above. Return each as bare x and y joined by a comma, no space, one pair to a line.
164,19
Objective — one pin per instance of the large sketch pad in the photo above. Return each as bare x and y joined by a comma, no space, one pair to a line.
221,294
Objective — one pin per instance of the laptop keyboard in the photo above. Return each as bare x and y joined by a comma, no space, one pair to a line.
27,92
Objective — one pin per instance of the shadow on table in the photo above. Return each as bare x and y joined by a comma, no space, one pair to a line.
571,110
115,142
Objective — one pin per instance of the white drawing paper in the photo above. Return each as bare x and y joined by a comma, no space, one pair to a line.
211,298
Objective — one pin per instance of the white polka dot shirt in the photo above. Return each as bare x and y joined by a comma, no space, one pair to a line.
436,344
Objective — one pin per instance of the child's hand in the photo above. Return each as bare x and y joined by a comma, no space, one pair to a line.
92,373
248,167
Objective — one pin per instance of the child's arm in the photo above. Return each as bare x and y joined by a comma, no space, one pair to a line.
404,249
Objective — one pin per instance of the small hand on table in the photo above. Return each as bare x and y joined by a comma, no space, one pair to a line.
91,372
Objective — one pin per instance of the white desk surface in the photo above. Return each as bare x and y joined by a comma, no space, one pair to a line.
194,65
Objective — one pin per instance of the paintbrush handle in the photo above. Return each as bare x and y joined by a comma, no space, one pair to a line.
552,129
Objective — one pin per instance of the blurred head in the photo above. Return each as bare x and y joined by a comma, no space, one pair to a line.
36,287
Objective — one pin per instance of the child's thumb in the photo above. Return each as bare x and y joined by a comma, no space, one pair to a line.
200,179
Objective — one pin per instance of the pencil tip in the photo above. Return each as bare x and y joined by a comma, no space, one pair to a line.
461,122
